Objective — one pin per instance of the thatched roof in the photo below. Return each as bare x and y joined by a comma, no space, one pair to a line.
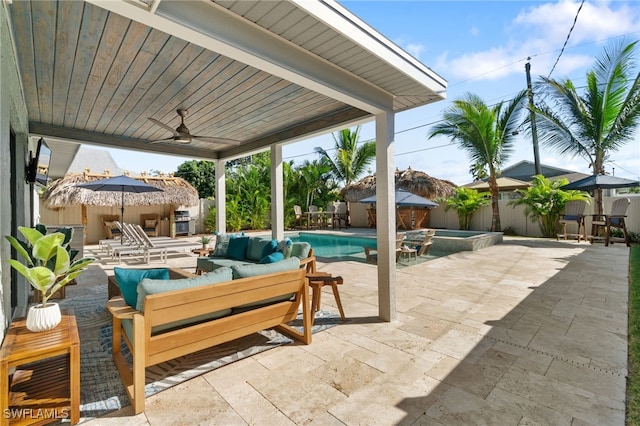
413,181
64,192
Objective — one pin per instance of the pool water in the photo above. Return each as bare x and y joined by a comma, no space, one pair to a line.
350,246
327,245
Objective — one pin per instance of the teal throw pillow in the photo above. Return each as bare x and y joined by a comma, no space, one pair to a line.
269,248
273,257
238,248
128,280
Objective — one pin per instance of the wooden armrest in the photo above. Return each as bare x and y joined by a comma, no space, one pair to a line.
119,308
177,273
306,260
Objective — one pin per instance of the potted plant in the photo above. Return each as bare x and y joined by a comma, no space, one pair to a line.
205,240
48,268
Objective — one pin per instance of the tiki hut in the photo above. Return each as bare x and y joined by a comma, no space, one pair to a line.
414,181
65,194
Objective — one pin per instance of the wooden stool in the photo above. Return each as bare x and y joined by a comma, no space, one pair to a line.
317,280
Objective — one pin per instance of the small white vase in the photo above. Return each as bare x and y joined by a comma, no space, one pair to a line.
43,318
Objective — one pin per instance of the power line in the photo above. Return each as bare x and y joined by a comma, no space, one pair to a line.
575,19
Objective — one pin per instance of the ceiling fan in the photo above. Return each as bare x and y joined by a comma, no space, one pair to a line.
182,135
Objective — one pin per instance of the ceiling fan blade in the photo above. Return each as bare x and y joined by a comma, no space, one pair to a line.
164,126
174,140
221,141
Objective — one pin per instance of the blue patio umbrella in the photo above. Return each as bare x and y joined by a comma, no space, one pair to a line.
405,199
120,184
601,182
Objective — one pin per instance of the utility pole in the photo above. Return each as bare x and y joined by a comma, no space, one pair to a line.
532,117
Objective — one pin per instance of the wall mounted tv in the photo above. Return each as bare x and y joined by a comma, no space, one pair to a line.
38,169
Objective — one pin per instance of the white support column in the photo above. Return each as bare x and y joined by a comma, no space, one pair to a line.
221,191
386,215
277,193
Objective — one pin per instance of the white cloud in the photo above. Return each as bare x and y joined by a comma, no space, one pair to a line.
540,32
414,49
474,31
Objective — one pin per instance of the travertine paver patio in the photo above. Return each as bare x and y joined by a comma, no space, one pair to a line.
527,332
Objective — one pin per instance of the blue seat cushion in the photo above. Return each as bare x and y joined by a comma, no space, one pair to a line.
255,247
128,280
209,264
300,249
251,270
150,286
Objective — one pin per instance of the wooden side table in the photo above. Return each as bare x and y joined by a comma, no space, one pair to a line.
45,386
317,280
202,252
407,253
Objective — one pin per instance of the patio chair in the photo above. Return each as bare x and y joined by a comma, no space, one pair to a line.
421,241
300,218
313,217
123,239
615,219
110,229
371,253
341,216
331,212
150,223
573,213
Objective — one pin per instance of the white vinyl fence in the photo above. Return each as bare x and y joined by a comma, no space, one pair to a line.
510,217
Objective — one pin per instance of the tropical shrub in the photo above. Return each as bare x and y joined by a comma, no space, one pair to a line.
465,202
544,202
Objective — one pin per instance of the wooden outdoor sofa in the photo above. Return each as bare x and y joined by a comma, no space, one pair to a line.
179,322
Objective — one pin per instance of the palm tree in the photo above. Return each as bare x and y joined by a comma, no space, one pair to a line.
599,122
350,161
485,133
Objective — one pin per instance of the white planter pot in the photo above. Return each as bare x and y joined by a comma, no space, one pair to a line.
43,318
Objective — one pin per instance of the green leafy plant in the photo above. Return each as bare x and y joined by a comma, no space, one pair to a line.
204,240
465,202
544,202
49,259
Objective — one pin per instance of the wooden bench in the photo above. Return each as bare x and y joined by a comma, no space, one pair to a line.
148,348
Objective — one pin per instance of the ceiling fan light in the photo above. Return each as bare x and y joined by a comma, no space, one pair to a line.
182,139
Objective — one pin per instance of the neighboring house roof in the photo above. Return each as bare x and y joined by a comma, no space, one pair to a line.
96,160
525,170
504,184
520,174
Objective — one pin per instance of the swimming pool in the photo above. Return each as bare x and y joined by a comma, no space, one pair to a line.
445,241
329,245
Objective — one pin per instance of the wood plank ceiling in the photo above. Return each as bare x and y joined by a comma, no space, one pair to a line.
92,75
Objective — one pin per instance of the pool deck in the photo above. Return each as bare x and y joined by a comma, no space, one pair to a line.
530,331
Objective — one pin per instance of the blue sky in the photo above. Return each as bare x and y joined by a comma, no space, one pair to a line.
479,47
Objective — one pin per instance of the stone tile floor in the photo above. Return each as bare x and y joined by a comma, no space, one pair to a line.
530,331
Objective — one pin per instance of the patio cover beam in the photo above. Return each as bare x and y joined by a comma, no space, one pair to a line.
217,29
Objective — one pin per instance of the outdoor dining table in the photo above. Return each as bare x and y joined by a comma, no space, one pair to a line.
322,219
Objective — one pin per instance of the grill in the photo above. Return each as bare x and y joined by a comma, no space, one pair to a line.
181,219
